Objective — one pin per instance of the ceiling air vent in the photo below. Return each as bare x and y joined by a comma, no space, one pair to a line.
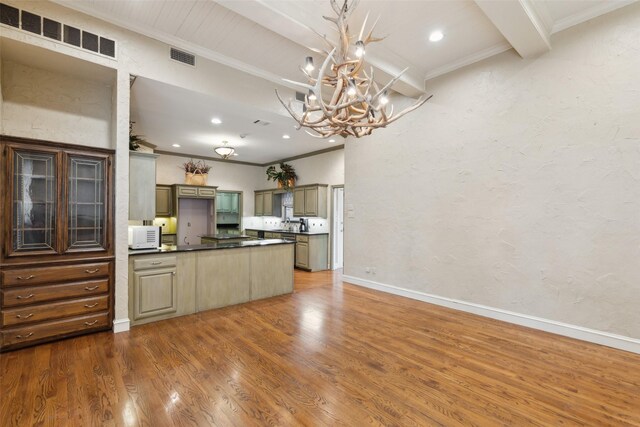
51,29
261,122
182,56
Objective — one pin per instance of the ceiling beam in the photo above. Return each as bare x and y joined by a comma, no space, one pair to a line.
271,15
519,24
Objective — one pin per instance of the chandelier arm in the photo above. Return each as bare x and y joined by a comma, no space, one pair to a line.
364,24
390,83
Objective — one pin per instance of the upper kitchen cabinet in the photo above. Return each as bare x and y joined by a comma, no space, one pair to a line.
142,185
194,192
228,202
310,200
59,200
264,203
164,201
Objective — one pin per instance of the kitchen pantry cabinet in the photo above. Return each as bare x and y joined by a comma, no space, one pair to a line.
56,268
311,252
164,201
142,183
310,200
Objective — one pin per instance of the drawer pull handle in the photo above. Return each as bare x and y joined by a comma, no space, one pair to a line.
90,305
27,297
93,288
29,277
91,323
19,316
92,271
156,262
20,337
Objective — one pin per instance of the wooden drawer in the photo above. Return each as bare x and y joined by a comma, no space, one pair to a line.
55,310
268,235
63,273
37,294
25,334
300,238
160,262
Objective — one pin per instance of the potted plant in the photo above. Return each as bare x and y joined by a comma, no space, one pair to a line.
196,173
285,177
134,140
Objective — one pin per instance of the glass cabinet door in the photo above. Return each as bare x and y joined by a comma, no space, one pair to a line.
34,202
86,207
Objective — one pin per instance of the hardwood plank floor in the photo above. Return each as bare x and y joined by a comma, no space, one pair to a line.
329,354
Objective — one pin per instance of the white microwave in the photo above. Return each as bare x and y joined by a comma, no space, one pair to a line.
144,236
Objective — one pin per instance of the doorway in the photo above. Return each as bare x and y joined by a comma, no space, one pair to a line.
337,227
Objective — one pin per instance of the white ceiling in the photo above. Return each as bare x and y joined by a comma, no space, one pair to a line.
270,38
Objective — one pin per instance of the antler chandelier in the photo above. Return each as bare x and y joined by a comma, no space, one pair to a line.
357,105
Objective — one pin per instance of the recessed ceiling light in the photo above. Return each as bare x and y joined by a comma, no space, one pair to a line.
175,145
285,136
436,36
332,140
216,121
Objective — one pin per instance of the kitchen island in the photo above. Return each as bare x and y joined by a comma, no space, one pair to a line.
177,280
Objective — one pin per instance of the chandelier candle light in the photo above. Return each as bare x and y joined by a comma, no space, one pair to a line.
358,105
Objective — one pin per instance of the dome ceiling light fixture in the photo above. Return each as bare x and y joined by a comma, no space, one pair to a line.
357,104
224,150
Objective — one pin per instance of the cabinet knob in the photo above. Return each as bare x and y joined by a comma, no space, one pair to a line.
90,305
92,271
29,277
91,323
22,337
92,288
19,316
27,297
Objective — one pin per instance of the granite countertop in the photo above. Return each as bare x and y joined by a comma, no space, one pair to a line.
280,230
225,236
209,246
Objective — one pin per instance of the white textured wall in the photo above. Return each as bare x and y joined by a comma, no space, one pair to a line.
516,187
226,176
52,106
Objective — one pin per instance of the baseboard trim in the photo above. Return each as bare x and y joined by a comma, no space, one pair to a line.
585,334
121,325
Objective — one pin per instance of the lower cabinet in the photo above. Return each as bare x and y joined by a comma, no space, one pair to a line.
161,286
48,302
311,252
156,292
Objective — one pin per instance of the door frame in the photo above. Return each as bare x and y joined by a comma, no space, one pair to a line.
331,227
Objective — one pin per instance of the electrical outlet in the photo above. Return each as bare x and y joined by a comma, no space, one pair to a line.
373,270
367,270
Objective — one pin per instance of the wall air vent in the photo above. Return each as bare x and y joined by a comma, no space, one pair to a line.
55,30
182,56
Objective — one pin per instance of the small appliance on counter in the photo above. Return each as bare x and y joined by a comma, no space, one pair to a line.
304,225
144,236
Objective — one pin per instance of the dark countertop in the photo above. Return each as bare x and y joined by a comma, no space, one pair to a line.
209,246
279,230
224,236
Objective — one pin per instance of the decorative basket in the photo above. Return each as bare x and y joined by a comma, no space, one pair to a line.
290,183
196,178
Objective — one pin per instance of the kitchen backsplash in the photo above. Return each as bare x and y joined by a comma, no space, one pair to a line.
267,222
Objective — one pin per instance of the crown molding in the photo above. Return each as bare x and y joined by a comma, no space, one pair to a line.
593,12
468,60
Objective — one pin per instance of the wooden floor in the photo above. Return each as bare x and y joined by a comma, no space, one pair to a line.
329,354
